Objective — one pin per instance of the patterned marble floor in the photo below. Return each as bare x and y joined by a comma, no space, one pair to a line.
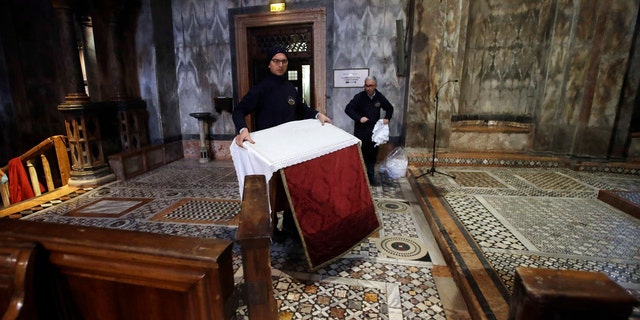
546,218
541,217
388,276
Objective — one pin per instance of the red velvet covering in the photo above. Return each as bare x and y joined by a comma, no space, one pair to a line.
19,186
332,204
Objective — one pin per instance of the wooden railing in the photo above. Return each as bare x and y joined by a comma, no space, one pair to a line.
38,162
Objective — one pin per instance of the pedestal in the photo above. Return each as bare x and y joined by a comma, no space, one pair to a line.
203,118
82,122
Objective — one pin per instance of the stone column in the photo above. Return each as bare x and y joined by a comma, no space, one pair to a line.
88,167
115,51
73,79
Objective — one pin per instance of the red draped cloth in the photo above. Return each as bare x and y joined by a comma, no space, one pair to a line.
331,204
19,186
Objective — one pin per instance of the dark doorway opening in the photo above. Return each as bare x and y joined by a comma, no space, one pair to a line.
298,40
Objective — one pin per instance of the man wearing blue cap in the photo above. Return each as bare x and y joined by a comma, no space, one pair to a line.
274,100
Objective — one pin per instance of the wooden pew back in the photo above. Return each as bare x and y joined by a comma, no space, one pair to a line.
97,273
46,164
254,236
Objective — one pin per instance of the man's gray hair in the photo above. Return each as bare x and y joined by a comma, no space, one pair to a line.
372,78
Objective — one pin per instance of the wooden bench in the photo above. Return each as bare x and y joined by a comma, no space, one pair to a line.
96,273
16,277
567,294
46,164
254,236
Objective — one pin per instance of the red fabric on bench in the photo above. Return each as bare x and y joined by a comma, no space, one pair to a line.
19,186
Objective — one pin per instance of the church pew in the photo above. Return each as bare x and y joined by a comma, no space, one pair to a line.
96,273
254,237
16,276
47,165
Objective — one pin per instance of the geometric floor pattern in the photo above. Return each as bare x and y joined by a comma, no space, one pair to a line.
549,218
372,281
214,211
537,217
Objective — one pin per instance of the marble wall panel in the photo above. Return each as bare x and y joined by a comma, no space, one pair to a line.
583,79
203,57
218,149
616,45
628,120
613,41
502,60
512,57
146,57
492,142
364,37
438,45
156,63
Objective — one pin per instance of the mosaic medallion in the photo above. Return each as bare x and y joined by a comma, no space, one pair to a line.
173,194
402,247
392,206
119,224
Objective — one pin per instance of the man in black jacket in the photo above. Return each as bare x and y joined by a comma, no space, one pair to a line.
274,100
364,109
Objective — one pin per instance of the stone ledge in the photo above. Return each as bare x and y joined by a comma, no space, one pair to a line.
490,126
130,164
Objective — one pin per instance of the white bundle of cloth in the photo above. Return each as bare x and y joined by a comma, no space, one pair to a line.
380,133
286,145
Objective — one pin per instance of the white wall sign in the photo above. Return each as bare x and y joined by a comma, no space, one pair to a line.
349,78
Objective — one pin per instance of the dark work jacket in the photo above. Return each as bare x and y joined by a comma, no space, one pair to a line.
363,106
274,101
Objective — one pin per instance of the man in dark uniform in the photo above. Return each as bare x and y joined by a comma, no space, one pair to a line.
274,100
364,109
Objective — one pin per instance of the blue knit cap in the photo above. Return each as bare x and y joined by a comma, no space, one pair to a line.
273,51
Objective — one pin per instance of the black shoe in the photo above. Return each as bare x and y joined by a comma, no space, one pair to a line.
278,236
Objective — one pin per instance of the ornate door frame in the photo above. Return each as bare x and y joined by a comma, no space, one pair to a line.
317,17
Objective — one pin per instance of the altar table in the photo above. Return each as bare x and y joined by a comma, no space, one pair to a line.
323,176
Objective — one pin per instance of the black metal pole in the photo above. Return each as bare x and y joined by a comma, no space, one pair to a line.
435,134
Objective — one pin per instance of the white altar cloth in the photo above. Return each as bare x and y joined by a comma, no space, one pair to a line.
286,145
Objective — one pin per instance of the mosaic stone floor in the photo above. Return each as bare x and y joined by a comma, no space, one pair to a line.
547,218
388,276
542,217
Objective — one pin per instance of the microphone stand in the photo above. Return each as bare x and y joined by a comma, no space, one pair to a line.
435,132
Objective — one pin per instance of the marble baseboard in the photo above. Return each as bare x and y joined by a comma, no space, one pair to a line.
220,149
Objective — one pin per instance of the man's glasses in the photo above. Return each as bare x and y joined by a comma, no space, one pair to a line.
369,85
278,61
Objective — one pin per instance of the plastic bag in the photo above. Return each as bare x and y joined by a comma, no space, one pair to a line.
395,165
380,133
